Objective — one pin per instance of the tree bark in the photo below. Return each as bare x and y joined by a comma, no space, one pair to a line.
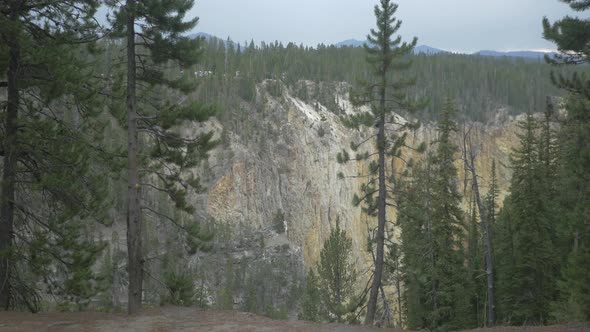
9,163
398,288
134,250
381,217
486,233
488,245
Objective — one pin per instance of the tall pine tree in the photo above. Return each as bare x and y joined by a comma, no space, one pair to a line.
449,282
52,186
385,94
571,36
433,231
153,31
526,277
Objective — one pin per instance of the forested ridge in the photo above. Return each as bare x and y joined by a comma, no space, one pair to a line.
123,123
481,85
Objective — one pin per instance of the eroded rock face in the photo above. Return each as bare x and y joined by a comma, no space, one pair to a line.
295,171
289,169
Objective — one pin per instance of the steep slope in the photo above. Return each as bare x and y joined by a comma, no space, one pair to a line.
276,187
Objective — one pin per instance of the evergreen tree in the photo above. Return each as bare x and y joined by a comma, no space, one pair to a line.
491,198
571,36
438,286
161,152
386,54
395,273
52,186
526,278
311,304
573,199
337,275
449,282
475,265
414,211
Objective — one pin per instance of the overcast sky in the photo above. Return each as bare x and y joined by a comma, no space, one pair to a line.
454,25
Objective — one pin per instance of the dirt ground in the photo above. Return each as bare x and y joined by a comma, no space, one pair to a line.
187,319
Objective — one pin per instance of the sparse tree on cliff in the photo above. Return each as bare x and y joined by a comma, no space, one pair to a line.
386,54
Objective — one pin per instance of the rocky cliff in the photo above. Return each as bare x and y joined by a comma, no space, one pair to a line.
273,182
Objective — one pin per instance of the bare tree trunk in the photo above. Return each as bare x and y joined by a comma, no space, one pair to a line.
134,252
10,161
470,163
381,218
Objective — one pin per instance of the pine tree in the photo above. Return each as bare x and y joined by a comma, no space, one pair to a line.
395,275
386,54
163,153
526,278
337,275
571,36
475,265
491,198
311,304
573,209
450,288
52,186
438,286
414,211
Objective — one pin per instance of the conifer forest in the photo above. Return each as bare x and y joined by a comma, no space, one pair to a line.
158,179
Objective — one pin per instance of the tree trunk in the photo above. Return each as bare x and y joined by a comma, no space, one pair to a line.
398,288
430,237
372,305
135,259
9,165
488,244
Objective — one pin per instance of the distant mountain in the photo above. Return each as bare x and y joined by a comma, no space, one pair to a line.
424,49
421,49
533,55
351,42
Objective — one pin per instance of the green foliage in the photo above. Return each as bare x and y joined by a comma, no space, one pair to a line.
526,277
54,166
337,275
311,304
274,88
571,37
438,284
180,286
225,295
480,85
278,222
573,200
476,269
